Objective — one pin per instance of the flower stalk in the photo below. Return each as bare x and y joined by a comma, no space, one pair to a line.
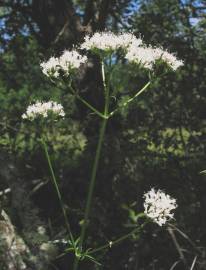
132,98
95,167
119,240
87,104
54,181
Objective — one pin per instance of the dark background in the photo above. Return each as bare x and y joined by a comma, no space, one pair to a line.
158,142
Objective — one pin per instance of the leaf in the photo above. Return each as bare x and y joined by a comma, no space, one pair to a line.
92,259
77,241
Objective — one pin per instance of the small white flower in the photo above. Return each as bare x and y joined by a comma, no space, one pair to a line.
43,109
51,67
129,39
158,206
109,41
110,244
171,60
71,60
147,56
41,230
141,55
59,241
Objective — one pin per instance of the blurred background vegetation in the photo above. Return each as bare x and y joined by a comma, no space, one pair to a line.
159,141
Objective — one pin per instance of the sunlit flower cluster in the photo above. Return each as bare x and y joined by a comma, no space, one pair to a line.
110,41
71,60
68,61
147,56
51,67
43,109
158,206
134,49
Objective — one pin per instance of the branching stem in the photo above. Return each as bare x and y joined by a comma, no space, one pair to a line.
94,169
119,240
105,117
92,108
131,99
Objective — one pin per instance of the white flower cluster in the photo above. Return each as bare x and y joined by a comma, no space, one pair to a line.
43,109
133,47
158,206
147,56
136,51
51,67
110,41
68,61
71,60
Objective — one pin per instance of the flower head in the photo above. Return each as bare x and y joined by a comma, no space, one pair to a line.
108,41
171,60
134,48
158,206
51,67
43,109
147,56
69,60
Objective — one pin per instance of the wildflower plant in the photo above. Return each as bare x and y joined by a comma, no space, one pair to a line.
110,49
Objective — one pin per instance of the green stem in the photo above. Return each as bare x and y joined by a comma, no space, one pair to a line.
93,180
106,90
131,99
104,79
54,180
119,240
86,103
76,263
90,106
110,244
91,189
94,169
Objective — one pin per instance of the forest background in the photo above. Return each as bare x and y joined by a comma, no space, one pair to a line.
158,142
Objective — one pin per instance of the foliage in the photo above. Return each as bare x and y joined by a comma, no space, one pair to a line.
159,141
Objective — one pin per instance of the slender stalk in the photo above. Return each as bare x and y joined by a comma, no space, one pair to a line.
93,178
185,236
104,78
94,169
110,244
178,247
54,181
193,263
131,99
106,90
92,108
76,263
91,189
119,240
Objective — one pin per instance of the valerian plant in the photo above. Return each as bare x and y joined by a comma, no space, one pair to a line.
111,49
